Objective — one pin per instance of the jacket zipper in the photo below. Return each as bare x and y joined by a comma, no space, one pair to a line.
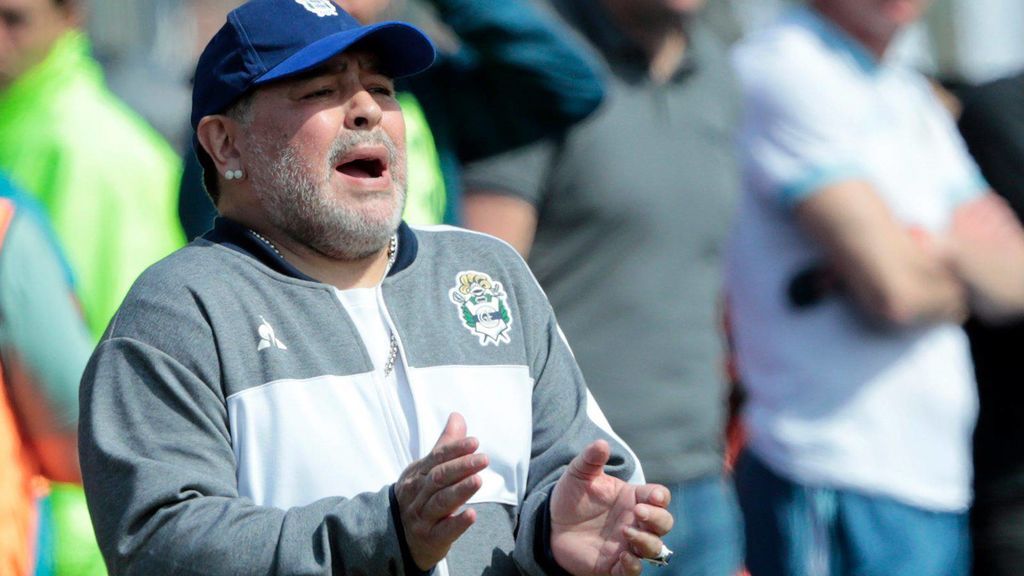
441,569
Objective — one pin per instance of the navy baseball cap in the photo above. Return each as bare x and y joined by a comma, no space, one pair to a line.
267,40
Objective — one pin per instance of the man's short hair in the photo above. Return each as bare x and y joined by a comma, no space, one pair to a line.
241,112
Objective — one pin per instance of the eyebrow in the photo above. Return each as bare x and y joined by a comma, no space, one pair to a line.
367,62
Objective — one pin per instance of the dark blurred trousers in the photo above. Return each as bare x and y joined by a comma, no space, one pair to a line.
997,526
707,537
794,530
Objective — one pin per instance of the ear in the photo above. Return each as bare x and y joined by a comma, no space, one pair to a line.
217,135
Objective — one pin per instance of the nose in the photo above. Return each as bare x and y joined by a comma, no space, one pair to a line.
364,113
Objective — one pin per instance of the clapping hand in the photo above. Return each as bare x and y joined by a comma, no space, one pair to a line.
432,489
600,525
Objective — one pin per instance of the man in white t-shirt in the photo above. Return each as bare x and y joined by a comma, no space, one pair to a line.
865,236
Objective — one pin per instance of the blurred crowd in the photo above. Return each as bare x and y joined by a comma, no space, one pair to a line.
783,239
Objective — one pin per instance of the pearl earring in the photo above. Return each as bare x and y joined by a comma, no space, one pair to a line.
234,174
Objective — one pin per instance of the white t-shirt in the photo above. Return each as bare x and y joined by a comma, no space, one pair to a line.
365,307
834,400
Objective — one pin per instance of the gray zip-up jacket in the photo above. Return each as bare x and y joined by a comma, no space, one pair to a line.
232,421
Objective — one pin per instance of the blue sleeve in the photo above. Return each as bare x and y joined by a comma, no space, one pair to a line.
41,323
519,75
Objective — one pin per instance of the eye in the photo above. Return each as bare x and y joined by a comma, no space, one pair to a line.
318,93
13,19
382,90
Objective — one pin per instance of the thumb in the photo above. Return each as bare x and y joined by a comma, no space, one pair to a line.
589,464
454,429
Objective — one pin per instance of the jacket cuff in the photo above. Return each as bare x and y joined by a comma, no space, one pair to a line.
542,545
411,568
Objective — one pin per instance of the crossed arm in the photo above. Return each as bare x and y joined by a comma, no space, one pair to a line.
907,278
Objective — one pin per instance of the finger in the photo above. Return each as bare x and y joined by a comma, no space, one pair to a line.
414,475
445,502
454,429
452,443
628,565
589,464
449,451
653,519
423,478
456,461
642,544
452,471
449,529
653,494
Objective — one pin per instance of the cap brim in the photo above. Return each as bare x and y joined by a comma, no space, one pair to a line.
402,48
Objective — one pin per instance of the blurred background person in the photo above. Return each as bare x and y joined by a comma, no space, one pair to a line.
992,124
865,235
507,74
623,218
44,345
107,181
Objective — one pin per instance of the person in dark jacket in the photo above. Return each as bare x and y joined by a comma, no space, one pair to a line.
992,124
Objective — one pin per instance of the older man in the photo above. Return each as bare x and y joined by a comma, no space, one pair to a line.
267,399
865,235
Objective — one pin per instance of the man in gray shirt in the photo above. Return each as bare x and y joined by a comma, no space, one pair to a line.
294,392
623,220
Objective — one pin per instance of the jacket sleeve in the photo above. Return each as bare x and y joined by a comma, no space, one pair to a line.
519,75
566,419
159,475
44,344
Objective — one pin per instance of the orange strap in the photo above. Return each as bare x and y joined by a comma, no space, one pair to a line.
19,482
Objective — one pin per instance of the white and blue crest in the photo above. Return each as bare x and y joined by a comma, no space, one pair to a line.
319,7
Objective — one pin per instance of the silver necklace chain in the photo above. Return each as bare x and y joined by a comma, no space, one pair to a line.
389,366
268,243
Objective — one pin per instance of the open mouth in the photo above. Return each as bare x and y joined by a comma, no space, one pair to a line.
365,164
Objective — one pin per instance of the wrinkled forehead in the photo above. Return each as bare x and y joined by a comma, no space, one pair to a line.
361,58
364,62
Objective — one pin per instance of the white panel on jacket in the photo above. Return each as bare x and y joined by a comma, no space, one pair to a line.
497,403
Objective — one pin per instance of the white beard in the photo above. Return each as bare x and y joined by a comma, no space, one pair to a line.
299,200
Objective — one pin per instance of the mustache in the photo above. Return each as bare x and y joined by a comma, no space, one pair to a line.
349,141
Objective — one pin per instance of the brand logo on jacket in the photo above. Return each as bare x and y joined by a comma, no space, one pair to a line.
483,305
267,337
319,7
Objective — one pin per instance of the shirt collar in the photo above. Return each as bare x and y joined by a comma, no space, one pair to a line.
624,55
838,39
240,238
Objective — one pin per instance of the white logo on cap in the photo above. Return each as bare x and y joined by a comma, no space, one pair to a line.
319,7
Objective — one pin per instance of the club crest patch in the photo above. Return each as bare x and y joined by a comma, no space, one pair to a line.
319,7
483,307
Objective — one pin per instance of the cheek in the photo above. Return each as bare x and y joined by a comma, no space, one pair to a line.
314,136
393,124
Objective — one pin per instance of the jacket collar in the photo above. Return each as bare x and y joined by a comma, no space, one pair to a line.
239,238
68,61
